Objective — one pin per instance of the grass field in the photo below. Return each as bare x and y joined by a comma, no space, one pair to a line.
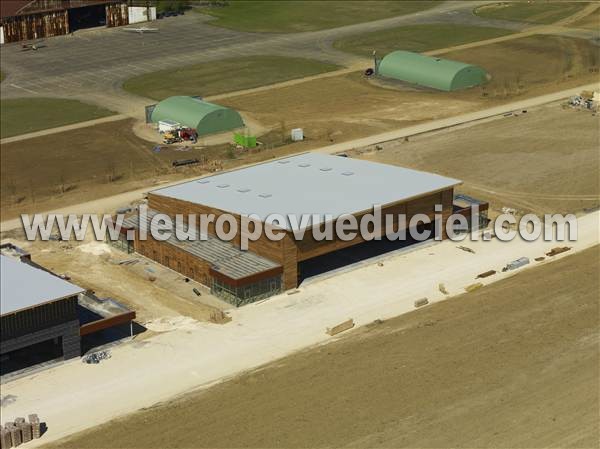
533,63
222,76
297,16
590,22
25,115
513,364
538,12
417,38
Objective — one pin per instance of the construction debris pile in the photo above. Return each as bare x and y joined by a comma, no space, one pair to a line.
173,132
13,434
587,100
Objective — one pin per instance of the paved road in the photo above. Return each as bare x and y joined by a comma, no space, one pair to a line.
109,204
75,396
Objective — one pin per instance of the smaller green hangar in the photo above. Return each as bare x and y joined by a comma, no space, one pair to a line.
204,117
430,71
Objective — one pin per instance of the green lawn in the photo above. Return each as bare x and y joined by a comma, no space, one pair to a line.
417,38
25,115
539,12
283,16
227,75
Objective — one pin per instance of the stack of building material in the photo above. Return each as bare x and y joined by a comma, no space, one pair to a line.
5,439
25,428
36,430
15,434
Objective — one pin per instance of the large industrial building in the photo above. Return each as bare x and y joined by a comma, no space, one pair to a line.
309,183
38,19
429,71
192,112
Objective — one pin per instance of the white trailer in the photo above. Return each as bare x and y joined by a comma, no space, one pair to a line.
141,14
168,125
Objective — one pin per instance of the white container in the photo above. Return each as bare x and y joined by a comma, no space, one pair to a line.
297,134
168,125
139,14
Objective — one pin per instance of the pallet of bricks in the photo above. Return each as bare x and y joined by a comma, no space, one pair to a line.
13,434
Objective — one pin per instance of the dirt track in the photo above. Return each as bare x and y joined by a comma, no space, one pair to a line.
514,364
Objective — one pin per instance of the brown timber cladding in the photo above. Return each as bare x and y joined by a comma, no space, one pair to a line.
48,18
288,251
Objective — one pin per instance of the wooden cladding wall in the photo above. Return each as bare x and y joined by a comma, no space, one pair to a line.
117,15
282,251
289,251
35,26
175,258
39,6
309,248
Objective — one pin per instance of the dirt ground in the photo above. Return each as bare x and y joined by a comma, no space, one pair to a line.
65,168
544,161
514,364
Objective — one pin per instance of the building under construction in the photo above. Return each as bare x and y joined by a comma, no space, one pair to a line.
308,183
44,317
39,19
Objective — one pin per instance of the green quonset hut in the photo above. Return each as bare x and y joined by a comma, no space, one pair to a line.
204,117
430,71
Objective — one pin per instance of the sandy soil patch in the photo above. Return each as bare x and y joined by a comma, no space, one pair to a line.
514,364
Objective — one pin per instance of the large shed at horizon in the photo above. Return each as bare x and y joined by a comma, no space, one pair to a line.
430,71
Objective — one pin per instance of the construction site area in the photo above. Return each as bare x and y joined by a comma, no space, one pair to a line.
483,110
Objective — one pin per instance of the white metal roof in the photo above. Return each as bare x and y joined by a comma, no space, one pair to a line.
24,286
309,183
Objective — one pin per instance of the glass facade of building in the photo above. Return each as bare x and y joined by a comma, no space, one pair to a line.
246,294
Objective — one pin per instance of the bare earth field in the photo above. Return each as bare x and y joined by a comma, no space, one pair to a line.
544,161
514,364
65,168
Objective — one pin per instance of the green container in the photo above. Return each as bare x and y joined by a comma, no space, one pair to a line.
245,141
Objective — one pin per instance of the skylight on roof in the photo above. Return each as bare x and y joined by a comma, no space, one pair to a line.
265,195
203,181
325,169
348,173
223,186
243,190
283,162
304,165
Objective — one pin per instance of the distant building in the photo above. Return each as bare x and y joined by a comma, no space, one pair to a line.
430,71
39,19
